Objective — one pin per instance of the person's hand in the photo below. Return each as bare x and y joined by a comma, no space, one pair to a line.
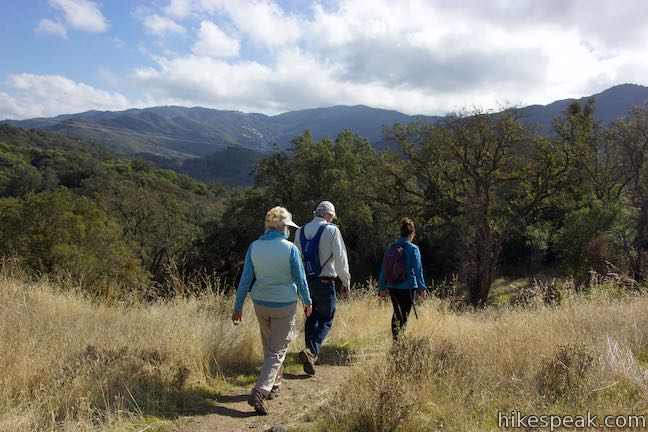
308,310
345,292
236,317
383,295
423,294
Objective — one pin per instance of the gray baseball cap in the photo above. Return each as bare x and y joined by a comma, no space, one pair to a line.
325,207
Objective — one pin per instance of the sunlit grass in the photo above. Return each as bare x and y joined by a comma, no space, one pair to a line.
72,364
457,370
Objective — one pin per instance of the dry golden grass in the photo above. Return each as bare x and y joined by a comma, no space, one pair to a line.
457,370
69,363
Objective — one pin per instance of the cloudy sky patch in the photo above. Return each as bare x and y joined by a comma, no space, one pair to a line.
81,14
271,56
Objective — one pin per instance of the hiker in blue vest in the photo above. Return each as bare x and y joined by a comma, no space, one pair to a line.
402,275
325,258
274,272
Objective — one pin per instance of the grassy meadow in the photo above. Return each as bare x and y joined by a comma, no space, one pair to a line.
73,364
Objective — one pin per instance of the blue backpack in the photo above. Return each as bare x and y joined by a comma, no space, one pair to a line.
310,251
395,264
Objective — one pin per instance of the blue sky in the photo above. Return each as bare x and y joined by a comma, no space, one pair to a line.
418,57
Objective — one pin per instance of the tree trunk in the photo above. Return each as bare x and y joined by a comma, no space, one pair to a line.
480,284
481,270
639,242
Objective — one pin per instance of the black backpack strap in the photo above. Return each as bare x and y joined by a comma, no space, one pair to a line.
327,260
319,232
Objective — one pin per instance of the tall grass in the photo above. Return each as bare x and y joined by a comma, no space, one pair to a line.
458,370
72,363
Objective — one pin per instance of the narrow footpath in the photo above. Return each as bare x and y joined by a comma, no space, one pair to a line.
300,398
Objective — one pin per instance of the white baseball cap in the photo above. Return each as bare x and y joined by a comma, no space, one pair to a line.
279,217
288,222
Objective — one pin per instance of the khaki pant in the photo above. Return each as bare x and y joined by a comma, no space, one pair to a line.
276,325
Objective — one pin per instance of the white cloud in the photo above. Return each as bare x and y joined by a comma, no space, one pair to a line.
10,108
161,26
475,52
205,81
49,95
265,23
297,80
213,42
117,42
47,26
82,15
262,21
179,8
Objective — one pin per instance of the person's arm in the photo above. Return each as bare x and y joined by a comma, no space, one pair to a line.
382,289
297,239
299,276
340,260
418,271
243,287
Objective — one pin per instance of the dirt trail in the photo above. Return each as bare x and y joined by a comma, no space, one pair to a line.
299,395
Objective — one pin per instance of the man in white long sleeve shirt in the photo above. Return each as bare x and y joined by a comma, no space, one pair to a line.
334,263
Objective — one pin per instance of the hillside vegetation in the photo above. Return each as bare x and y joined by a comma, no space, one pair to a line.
76,210
488,195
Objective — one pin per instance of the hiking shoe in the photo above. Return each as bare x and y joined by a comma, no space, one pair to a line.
307,360
256,400
317,362
274,392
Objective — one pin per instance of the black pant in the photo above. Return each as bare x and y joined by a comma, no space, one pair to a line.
402,302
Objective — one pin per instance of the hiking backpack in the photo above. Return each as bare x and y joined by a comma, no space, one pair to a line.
310,252
394,264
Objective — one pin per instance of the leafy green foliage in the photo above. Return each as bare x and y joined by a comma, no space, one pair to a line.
98,218
484,176
350,173
590,236
487,195
63,234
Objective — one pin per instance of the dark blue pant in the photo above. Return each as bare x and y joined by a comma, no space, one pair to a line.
320,321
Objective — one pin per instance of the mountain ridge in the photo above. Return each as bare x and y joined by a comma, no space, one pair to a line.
196,135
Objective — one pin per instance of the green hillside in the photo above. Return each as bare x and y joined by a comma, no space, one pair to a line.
69,207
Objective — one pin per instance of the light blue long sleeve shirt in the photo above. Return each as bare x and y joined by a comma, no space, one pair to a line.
274,271
414,269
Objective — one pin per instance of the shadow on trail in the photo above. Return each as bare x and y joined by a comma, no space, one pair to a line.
214,405
335,355
232,398
330,355
290,376
231,412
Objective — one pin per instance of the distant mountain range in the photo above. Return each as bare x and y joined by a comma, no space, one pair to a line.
215,145
189,132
